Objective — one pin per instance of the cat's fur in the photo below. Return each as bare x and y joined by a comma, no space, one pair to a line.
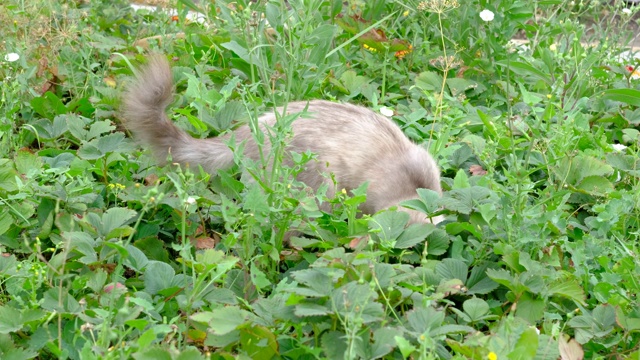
352,142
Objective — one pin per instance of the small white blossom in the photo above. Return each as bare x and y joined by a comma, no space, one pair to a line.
190,200
626,11
486,15
618,147
11,57
386,111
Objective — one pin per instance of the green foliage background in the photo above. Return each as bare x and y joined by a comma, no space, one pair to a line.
106,255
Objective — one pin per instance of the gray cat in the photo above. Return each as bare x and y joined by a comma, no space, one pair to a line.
352,142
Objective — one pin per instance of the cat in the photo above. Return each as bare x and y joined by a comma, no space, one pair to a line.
353,143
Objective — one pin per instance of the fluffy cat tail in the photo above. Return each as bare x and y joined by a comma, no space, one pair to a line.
144,104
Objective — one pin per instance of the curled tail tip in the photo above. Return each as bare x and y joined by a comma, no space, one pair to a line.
151,90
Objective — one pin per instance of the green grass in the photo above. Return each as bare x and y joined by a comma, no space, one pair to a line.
105,255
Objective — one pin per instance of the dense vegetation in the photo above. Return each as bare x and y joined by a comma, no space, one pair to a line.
105,255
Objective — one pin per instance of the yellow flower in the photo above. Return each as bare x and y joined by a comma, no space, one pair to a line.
369,48
492,356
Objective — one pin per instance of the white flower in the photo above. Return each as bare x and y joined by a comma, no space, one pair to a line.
618,147
11,57
386,111
626,11
486,15
190,200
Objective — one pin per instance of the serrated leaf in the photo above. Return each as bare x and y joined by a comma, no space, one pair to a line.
153,353
423,319
429,81
569,288
226,319
28,164
595,185
437,242
98,148
10,319
465,200
461,180
319,280
452,269
334,345
310,309
115,218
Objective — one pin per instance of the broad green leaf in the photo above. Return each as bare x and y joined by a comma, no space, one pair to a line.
574,170
62,302
405,346
437,242
522,68
627,96
136,259
460,85
232,111
526,346
153,353
452,269
310,309
190,354
479,282
595,185
334,345
7,176
48,105
461,180
10,319
19,354
258,342
115,218
99,147
530,308
424,319
383,342
567,287
414,234
158,276
226,319
447,329
28,164
388,225
6,220
318,280
465,200
475,308
429,81
258,277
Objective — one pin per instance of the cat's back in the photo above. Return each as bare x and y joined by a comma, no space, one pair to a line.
332,125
